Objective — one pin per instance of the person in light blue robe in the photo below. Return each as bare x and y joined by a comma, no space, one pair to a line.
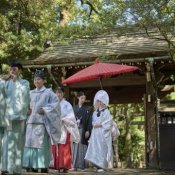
43,126
3,122
17,101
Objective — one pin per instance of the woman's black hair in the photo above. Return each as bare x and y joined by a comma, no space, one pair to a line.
80,94
59,89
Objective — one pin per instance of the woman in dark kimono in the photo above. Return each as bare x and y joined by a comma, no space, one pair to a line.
84,121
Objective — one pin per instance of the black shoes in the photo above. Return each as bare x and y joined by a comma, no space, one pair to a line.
63,171
7,173
32,170
44,170
4,172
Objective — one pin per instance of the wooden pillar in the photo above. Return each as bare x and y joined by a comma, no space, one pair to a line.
151,120
128,139
67,92
0,68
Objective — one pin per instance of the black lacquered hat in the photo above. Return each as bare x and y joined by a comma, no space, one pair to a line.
39,73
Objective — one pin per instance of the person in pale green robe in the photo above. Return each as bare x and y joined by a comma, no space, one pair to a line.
17,100
3,122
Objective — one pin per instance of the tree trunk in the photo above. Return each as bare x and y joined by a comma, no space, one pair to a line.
128,139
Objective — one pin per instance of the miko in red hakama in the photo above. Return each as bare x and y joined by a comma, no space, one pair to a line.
62,155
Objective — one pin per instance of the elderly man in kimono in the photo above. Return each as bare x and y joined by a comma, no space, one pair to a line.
69,133
17,101
43,126
99,151
3,122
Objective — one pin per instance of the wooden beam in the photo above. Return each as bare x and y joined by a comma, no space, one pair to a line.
87,61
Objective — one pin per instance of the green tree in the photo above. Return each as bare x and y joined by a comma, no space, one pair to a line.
131,141
152,15
26,25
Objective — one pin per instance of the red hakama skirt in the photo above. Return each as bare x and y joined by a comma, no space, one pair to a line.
62,155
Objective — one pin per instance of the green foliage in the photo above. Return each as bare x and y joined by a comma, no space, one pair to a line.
131,149
155,15
170,96
26,25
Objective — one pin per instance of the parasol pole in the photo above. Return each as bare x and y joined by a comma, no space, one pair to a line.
100,79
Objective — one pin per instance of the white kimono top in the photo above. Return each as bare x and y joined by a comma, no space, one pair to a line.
69,123
46,99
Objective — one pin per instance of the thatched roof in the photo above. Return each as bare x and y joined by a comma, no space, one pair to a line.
130,46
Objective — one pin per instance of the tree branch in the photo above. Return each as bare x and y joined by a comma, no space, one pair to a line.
92,8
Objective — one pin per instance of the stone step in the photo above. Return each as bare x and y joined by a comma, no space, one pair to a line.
116,171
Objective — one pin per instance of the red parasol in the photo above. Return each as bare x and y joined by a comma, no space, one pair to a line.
98,70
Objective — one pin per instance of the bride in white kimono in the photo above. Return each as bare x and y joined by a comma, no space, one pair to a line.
99,150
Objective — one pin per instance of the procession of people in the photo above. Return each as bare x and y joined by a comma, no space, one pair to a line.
41,130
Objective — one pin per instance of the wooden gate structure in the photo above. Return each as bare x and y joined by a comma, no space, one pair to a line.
145,85
167,133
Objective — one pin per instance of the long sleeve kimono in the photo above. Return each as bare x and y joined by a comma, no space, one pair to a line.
62,157
41,128
99,150
69,123
3,121
17,102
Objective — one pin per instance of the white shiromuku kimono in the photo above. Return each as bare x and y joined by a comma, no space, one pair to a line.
41,127
17,102
99,150
69,123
